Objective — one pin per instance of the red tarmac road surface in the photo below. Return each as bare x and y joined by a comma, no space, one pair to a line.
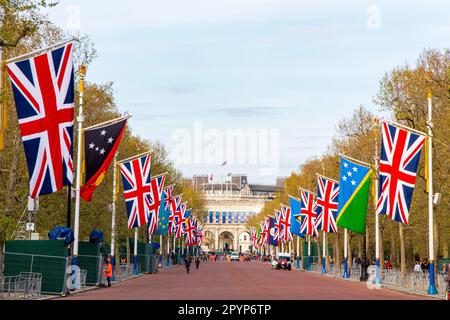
238,280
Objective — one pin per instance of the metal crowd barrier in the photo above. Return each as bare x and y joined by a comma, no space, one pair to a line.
413,281
26,285
355,272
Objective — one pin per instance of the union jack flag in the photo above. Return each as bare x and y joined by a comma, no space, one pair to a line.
174,213
254,237
190,232
137,190
43,88
180,220
168,197
200,234
277,234
327,204
307,210
285,222
399,159
264,236
157,186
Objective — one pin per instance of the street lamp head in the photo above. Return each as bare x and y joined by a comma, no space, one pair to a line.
82,70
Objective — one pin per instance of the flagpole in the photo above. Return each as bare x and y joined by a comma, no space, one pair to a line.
80,119
432,286
324,259
309,253
377,216
161,251
135,271
345,275
298,252
36,52
113,216
168,251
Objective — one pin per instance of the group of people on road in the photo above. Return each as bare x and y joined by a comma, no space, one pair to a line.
188,261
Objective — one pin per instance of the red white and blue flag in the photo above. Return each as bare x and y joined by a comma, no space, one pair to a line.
43,88
399,159
137,190
174,213
200,234
254,237
181,220
307,211
157,186
327,204
277,233
285,223
190,232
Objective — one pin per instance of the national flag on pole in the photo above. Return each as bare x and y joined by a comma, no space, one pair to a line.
164,211
157,185
200,234
285,223
181,220
190,232
174,213
277,228
354,184
307,211
399,159
254,237
264,234
326,204
137,190
296,218
271,223
100,145
43,88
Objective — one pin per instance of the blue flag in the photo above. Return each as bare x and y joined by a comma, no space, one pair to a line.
272,240
296,218
163,216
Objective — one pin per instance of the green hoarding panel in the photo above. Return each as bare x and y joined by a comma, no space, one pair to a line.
89,259
48,257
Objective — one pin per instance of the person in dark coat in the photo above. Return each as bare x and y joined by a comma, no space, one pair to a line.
187,263
197,262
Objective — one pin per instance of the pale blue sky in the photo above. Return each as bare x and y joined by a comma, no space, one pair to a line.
295,66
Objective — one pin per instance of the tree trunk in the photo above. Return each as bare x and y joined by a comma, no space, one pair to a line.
436,243
393,255
402,249
381,252
360,245
337,251
367,247
128,250
349,250
319,246
444,246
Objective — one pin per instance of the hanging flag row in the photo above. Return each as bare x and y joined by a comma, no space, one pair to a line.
344,203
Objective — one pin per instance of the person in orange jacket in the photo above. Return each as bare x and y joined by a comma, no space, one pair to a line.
108,272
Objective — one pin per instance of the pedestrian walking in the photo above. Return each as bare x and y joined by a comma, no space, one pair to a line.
108,272
197,262
187,263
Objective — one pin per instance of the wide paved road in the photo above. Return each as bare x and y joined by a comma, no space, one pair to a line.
238,280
